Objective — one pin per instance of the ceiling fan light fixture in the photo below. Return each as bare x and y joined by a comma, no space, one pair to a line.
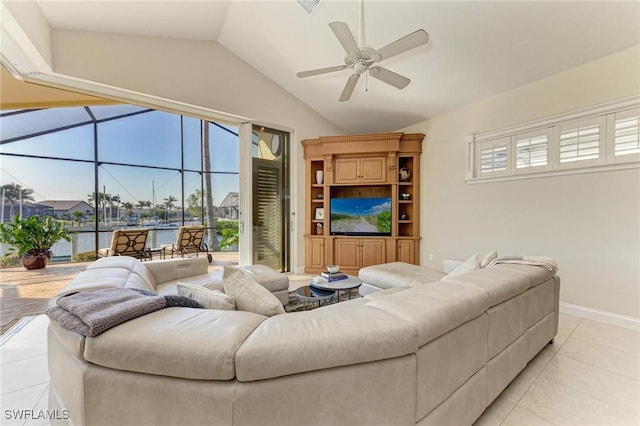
361,58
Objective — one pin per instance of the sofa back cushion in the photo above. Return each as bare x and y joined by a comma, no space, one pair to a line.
112,272
139,276
177,269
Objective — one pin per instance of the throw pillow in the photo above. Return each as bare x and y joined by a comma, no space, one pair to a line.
210,299
214,285
470,264
250,296
488,258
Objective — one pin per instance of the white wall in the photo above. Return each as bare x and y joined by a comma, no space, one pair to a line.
589,222
198,73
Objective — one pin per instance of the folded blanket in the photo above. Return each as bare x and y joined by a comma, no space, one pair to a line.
546,262
90,313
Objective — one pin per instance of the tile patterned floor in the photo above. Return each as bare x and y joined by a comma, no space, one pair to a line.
588,376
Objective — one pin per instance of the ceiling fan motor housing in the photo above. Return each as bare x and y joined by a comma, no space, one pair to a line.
361,61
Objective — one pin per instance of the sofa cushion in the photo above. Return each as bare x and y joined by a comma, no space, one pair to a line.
126,262
504,281
249,295
210,299
267,277
435,308
177,269
178,342
384,293
398,274
322,338
103,278
208,280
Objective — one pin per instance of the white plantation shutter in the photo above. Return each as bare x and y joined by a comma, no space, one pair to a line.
626,139
493,156
580,141
599,138
532,149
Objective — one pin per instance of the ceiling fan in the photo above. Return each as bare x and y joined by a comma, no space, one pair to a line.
361,58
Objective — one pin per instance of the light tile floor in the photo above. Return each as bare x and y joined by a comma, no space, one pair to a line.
588,376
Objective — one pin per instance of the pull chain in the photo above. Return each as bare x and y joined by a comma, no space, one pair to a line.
366,82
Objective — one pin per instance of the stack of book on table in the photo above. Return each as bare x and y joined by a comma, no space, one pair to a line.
333,276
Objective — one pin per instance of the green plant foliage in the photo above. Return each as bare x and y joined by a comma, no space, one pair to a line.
229,232
31,234
87,256
383,222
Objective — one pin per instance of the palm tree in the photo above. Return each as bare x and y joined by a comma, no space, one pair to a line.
15,192
168,202
116,199
128,207
211,219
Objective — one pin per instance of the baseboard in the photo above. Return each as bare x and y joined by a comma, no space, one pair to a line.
600,316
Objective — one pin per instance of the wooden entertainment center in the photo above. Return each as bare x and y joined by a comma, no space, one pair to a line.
362,166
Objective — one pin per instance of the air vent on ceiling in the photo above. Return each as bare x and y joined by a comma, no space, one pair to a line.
309,5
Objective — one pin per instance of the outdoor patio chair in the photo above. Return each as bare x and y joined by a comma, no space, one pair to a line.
127,242
190,240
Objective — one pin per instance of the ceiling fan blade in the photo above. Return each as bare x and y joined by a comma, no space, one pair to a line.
408,42
349,87
389,77
344,36
319,71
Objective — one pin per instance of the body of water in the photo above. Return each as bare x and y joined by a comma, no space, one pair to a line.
86,241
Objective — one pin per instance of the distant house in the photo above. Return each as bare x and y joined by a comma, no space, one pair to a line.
28,209
65,208
229,207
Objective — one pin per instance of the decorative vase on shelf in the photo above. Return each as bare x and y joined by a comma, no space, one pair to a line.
405,174
319,177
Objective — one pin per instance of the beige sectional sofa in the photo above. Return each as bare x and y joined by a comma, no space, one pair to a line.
436,353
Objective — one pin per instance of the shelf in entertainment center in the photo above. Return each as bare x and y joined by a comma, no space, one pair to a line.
317,200
405,221
405,183
317,185
405,201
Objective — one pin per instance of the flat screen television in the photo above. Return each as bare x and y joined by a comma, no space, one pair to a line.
360,216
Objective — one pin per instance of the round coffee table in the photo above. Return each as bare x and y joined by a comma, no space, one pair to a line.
306,293
340,285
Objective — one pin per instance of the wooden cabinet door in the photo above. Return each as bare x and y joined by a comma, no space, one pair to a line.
372,170
315,253
406,251
346,170
346,253
372,252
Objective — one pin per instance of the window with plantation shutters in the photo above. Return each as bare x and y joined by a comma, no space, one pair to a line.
493,157
531,150
603,137
580,141
626,137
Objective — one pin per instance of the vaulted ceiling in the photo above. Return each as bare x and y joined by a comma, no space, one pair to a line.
476,49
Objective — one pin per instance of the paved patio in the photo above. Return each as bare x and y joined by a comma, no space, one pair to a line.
28,292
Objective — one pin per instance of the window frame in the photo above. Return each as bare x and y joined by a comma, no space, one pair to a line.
604,115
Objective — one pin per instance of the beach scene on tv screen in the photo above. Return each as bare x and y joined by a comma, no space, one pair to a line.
361,215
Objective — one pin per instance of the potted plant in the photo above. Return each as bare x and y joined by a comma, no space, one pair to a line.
32,238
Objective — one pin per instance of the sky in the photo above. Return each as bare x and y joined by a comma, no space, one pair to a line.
151,138
360,206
